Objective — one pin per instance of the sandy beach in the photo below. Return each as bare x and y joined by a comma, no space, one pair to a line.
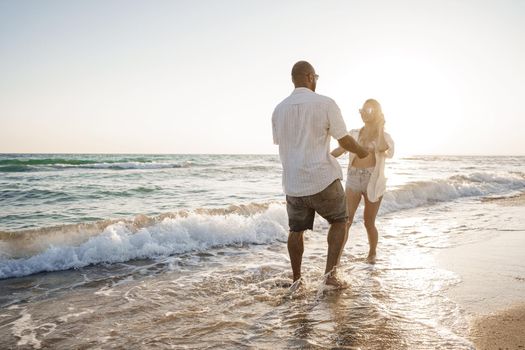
503,329
492,287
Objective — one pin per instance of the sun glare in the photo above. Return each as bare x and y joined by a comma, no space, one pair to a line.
420,101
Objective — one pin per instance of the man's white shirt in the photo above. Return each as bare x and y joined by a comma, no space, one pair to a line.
302,126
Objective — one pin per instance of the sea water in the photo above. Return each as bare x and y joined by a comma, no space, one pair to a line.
189,251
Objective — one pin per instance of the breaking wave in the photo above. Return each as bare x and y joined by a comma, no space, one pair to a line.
111,241
75,246
421,193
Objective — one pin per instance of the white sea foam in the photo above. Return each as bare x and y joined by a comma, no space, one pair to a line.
119,243
203,229
421,193
29,332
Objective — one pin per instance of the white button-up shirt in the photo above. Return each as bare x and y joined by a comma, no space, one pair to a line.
377,183
302,125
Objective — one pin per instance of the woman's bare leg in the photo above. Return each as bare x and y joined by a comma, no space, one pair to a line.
352,202
370,213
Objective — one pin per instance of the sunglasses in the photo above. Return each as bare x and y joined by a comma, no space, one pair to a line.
368,110
316,76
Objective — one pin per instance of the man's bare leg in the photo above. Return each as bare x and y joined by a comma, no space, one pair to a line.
337,236
295,250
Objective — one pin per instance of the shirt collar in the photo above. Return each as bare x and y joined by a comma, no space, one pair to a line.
301,90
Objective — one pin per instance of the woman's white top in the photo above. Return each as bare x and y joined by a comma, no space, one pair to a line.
377,184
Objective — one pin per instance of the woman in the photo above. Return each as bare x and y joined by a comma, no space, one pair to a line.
366,176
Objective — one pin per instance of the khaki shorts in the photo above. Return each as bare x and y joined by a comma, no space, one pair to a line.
330,203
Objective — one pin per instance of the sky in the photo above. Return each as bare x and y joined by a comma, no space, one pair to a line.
126,76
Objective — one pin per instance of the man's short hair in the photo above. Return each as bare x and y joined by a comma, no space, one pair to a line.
300,69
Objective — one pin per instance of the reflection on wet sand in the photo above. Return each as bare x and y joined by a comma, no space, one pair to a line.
238,297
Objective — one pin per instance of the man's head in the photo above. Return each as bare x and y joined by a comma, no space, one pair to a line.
303,75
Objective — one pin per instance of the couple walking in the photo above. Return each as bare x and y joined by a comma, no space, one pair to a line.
302,126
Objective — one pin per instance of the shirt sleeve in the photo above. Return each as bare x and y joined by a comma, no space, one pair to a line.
274,130
336,124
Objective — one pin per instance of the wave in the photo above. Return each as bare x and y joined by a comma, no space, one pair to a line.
29,165
45,161
422,193
111,241
136,165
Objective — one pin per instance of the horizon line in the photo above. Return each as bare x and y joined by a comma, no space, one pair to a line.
248,154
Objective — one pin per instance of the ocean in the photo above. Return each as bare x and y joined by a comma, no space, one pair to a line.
189,252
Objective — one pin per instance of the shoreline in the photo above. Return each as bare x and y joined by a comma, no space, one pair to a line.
492,287
516,200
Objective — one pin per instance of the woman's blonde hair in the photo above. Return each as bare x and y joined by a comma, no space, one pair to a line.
365,139
377,109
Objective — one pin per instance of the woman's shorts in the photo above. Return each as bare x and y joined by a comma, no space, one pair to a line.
357,179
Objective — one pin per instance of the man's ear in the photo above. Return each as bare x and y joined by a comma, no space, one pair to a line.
311,77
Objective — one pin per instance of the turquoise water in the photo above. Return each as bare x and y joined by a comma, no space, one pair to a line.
47,190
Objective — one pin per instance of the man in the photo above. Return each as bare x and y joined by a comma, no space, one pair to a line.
302,126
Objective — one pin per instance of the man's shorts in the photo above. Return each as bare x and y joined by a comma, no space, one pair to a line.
330,203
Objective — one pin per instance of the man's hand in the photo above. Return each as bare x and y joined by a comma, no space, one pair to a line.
351,145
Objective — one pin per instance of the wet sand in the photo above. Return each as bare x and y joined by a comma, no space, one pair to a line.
502,330
492,287
517,200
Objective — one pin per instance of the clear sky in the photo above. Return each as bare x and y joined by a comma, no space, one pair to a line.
204,76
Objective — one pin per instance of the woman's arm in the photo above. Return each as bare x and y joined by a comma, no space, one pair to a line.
389,153
382,145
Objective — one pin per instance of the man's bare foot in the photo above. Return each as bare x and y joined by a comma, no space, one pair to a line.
297,284
371,259
335,283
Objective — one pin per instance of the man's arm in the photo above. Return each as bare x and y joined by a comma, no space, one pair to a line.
338,127
351,145
338,151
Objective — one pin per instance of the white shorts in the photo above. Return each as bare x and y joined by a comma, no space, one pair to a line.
357,179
